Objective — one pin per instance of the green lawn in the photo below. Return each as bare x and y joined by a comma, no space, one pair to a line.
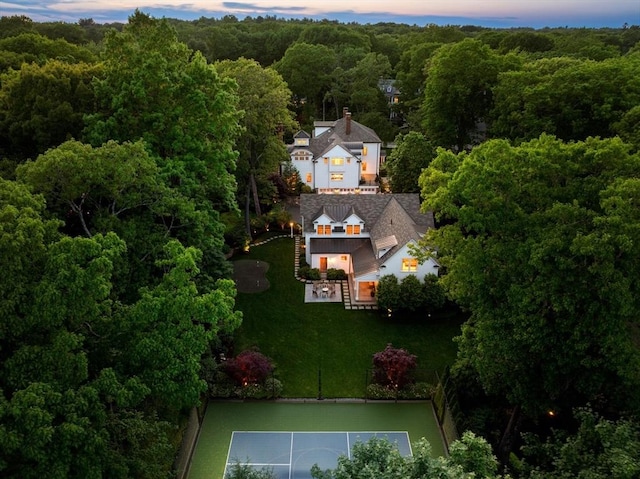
305,338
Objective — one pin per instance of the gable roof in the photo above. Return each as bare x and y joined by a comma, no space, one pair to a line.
337,135
367,207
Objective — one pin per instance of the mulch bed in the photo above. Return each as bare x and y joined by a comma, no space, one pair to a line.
250,276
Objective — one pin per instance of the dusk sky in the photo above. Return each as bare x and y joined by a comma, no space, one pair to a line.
495,13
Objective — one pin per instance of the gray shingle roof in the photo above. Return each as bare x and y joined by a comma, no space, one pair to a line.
337,135
385,216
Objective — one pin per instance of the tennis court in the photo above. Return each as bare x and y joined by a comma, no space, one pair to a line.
291,455
224,419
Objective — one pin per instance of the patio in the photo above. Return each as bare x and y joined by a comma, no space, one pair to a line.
323,292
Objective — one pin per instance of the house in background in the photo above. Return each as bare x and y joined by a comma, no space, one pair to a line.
341,156
391,93
367,236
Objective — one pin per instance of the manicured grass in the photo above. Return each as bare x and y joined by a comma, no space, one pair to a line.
305,338
222,418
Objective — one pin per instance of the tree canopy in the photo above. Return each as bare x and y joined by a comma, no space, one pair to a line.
538,245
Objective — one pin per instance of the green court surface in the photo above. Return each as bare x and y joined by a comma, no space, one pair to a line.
223,418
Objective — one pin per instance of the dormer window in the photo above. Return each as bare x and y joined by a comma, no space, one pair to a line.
353,229
324,229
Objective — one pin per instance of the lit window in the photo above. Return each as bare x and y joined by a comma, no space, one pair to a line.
409,265
308,177
364,166
337,161
337,176
364,150
353,229
343,258
327,229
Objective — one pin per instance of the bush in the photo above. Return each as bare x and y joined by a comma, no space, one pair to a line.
336,274
249,367
388,293
411,391
378,391
393,367
306,272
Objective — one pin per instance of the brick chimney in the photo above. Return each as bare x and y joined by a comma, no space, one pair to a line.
347,125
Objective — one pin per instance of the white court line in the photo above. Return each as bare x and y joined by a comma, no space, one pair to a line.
291,456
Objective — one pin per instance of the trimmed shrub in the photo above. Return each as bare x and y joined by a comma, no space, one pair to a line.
309,273
336,274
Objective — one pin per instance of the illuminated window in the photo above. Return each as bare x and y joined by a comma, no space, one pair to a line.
364,166
302,156
353,229
343,258
337,161
308,177
337,176
409,265
364,150
324,229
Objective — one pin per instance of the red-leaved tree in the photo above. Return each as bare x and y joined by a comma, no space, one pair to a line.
393,367
249,367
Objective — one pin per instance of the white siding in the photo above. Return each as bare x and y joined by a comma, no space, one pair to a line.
393,265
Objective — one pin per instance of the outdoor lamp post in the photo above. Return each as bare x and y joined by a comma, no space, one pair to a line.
291,226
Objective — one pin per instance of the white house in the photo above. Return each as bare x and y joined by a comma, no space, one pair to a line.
341,156
368,236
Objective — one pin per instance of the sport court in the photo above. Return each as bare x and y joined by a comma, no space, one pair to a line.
291,455
224,419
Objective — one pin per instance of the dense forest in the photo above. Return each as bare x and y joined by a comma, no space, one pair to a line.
133,157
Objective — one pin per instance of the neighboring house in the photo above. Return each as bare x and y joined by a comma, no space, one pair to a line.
341,156
367,236
391,93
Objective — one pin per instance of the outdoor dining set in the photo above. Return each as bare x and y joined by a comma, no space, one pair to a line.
323,290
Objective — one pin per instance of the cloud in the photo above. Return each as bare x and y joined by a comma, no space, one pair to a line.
257,8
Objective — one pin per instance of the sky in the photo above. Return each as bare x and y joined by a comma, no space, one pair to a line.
487,13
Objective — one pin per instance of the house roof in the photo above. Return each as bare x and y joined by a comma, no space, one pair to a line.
392,221
337,135
302,134
367,207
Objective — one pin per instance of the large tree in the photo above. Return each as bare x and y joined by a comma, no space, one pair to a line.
41,106
469,457
156,89
89,384
458,92
413,153
566,97
264,99
119,187
307,70
539,246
